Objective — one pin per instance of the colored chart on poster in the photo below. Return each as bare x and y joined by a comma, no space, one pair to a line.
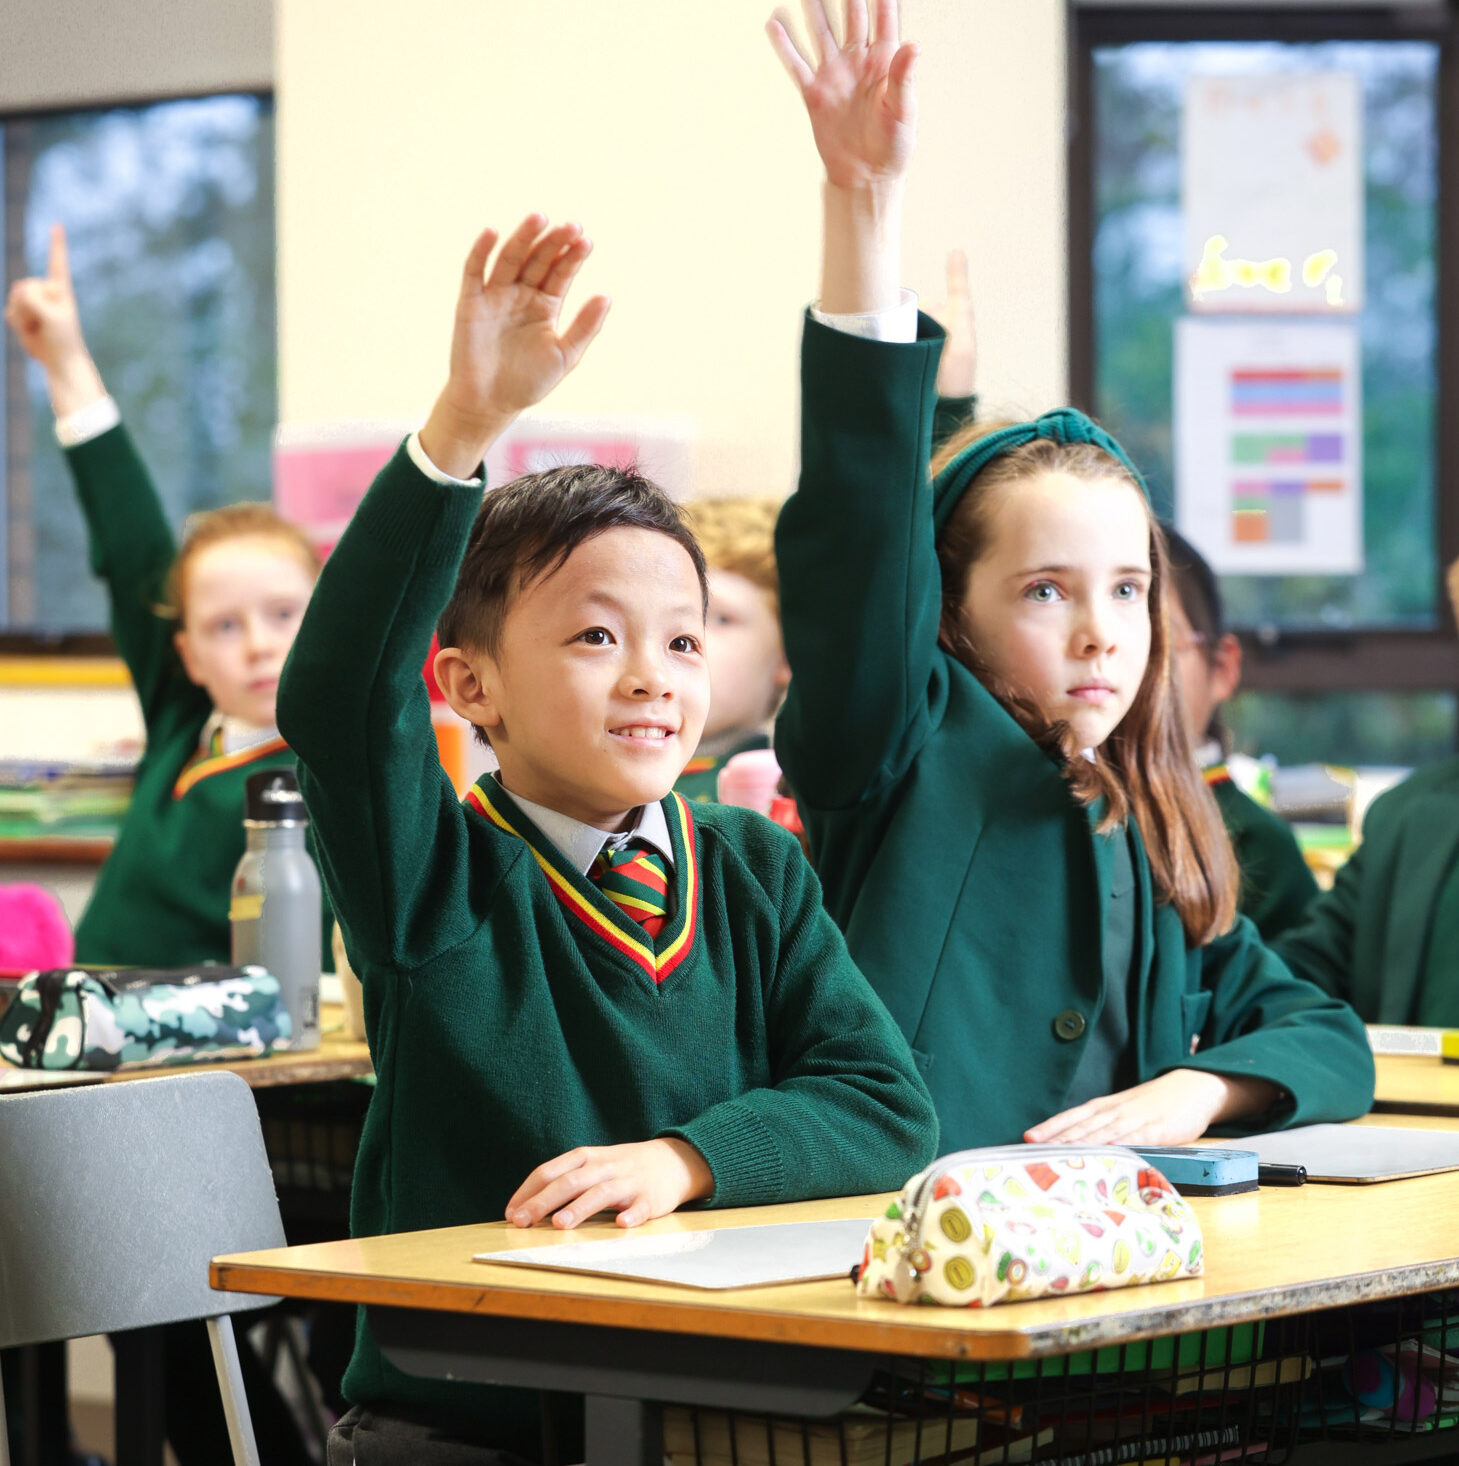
1268,432
1272,193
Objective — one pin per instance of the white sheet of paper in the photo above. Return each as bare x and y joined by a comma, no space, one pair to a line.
1272,192
723,1257
1269,445
1359,1154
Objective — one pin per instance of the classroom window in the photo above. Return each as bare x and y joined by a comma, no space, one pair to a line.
169,210
1353,661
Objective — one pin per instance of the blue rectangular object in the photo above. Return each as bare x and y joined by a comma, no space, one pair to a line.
1203,1170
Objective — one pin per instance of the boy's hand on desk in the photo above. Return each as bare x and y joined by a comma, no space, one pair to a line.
639,1182
859,96
506,350
1176,1107
42,313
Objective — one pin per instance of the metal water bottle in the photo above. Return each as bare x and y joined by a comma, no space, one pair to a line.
275,903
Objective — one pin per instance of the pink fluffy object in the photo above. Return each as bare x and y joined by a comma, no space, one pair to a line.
33,930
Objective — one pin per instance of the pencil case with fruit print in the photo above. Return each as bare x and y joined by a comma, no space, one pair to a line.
1012,1222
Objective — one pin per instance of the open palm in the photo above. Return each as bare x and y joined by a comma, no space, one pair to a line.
858,94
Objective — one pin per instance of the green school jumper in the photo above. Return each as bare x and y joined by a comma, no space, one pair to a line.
972,888
1276,885
1386,936
161,899
514,1012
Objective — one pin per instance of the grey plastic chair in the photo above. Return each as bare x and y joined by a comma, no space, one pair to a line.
114,1197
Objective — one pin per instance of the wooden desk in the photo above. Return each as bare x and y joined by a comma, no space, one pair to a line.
1416,1086
810,1348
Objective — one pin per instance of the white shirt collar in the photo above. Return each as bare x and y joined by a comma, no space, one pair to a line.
582,844
237,735
1209,754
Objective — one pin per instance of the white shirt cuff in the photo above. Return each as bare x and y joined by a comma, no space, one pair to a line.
87,422
436,475
896,323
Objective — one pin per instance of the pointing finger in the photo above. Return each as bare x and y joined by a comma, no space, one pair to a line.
58,266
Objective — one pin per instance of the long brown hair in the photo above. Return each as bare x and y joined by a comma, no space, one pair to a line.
1145,770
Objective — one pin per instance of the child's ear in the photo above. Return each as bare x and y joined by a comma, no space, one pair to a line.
185,653
1225,667
470,685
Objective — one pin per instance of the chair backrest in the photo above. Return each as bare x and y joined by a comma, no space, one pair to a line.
114,1197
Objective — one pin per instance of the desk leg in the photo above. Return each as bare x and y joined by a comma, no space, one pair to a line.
36,1376
622,1432
140,1397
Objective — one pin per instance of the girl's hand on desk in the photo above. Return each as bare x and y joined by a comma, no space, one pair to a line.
639,1182
1176,1107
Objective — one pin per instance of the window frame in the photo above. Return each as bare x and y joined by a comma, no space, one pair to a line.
1308,660
73,644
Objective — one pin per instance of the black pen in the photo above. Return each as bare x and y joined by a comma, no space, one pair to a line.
1275,1175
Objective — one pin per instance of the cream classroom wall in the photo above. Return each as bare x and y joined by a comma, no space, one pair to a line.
669,129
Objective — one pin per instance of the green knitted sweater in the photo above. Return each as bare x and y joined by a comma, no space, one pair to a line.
161,899
512,1011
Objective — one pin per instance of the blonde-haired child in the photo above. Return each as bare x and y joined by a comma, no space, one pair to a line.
983,739
748,672
1386,936
204,631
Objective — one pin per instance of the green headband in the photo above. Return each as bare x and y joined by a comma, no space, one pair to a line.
1063,425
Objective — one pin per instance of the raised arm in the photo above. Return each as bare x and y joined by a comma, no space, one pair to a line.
860,596
352,702
131,544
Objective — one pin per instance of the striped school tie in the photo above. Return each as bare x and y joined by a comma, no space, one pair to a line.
636,880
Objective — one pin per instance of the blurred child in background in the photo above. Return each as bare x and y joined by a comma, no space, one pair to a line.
748,673
1276,885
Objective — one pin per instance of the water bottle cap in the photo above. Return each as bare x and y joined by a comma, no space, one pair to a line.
273,798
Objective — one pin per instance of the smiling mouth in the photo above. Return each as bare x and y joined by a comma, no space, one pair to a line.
643,733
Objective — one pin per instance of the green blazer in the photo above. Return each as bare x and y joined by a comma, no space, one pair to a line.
1368,939
970,885
1276,885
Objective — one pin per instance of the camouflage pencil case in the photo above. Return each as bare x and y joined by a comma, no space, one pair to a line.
1012,1222
142,1017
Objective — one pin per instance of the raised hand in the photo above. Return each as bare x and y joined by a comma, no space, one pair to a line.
957,372
42,313
858,93
507,352
638,1181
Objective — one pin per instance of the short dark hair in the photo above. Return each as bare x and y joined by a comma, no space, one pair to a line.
1199,591
527,528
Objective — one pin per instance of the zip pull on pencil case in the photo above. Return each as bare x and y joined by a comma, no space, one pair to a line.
1012,1222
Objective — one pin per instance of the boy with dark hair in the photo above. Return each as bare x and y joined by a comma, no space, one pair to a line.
579,996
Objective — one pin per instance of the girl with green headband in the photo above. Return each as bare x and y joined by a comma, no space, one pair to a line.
982,728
